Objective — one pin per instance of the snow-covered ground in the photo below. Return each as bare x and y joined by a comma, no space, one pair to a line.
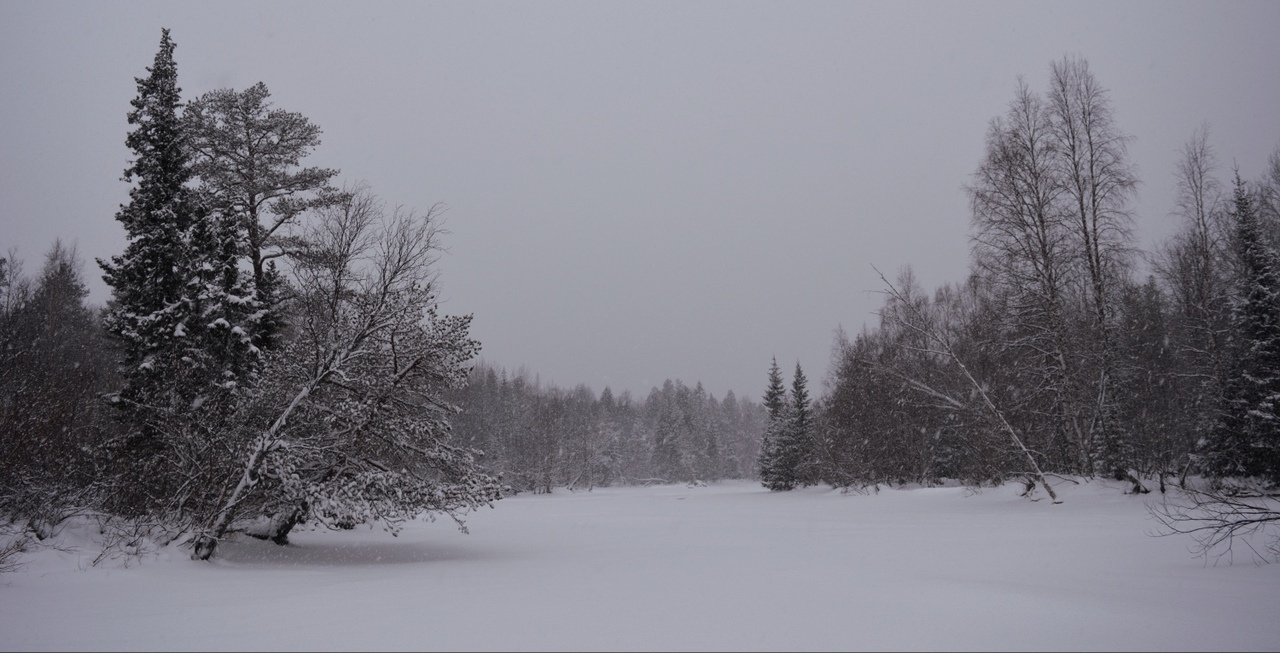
730,566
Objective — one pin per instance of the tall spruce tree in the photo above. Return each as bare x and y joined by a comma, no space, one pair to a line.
226,313
1247,440
777,447
775,396
147,281
180,315
800,425
147,314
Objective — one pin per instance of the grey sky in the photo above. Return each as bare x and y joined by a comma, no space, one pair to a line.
639,191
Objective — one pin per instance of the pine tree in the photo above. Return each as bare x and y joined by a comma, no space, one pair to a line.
1247,440
248,157
777,448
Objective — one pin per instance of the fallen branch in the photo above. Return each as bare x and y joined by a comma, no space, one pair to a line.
1219,518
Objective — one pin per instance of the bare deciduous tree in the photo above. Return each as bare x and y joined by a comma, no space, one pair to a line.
1194,265
1023,244
935,340
356,427
1097,183
1221,516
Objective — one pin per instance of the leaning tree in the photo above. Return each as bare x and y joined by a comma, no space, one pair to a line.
350,425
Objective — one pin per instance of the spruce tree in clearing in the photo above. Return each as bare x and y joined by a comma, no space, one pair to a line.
1247,440
801,430
777,448
179,313
146,281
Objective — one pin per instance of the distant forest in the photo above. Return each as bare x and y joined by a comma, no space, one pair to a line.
273,355
539,438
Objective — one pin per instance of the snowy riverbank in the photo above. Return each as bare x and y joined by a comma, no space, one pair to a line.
730,566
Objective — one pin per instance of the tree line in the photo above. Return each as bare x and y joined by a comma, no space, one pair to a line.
538,437
1053,357
272,355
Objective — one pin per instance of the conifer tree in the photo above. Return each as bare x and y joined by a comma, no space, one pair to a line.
775,396
777,448
52,370
1246,441
180,315
147,282
248,156
800,424
225,312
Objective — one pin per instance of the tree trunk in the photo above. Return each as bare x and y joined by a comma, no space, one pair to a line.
207,541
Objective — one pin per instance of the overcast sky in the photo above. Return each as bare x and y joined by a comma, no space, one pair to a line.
639,191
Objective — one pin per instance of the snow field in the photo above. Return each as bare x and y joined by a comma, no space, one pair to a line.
729,566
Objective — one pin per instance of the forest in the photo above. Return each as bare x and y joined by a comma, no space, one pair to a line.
274,355
1053,356
1054,359
541,438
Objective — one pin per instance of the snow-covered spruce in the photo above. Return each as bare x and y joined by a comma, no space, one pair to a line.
179,317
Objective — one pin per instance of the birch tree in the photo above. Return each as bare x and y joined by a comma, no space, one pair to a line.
936,339
1194,265
1097,183
351,425
1023,244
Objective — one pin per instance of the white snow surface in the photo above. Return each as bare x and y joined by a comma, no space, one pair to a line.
727,566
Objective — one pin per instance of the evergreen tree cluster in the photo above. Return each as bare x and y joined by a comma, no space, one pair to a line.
788,450
1246,438
538,437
